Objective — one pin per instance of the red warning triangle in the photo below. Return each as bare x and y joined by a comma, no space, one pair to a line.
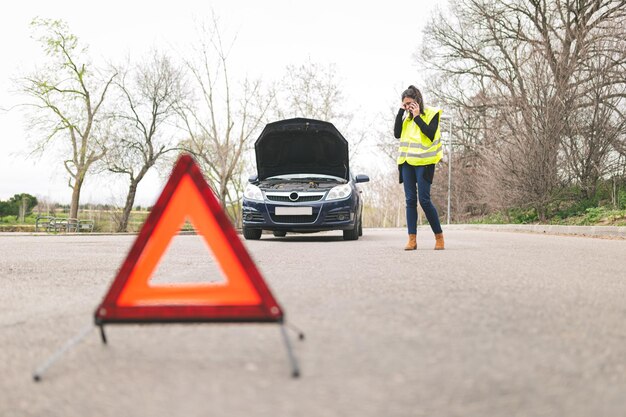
243,298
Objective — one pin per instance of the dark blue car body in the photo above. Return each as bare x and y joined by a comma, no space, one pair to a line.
304,183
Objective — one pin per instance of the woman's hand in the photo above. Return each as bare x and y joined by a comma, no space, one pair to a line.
414,108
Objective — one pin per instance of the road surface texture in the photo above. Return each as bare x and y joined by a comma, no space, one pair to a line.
498,324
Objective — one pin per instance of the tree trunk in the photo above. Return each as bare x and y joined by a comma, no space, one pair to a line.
128,207
22,213
223,202
76,196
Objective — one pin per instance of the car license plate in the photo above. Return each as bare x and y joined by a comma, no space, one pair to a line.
294,211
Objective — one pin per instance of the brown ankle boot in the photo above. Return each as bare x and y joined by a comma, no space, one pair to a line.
412,245
439,241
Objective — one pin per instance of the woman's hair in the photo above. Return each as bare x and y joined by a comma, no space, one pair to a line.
415,94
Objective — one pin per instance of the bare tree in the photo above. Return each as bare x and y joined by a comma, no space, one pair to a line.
384,200
517,66
597,130
223,120
383,134
150,95
315,91
67,98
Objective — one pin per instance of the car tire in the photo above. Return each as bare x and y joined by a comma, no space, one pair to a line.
352,234
252,234
279,233
360,226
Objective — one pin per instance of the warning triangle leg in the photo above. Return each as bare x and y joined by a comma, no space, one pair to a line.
296,330
295,370
38,374
103,335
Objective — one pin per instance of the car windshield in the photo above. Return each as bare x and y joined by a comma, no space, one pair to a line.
307,177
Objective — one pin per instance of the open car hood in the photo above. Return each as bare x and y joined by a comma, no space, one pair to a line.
297,146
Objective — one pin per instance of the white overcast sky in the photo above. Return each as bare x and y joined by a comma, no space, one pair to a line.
372,45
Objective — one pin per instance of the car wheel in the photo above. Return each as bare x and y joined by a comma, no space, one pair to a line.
352,234
360,226
279,233
252,234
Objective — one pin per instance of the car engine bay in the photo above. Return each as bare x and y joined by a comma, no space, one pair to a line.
298,185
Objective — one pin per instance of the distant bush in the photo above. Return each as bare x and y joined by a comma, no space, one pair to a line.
12,206
493,218
595,215
523,216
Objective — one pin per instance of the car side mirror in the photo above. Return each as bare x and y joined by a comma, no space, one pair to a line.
361,178
253,178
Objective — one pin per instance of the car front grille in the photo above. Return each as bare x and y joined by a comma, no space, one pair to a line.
293,219
303,198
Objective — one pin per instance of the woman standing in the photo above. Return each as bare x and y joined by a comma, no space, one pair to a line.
420,149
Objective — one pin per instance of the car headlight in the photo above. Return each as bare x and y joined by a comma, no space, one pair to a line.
253,192
339,192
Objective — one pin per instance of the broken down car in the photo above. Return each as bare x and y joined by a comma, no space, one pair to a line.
303,182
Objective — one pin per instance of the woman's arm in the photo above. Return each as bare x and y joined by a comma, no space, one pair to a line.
428,129
397,128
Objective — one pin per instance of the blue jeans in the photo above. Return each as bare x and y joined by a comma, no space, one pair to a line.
418,175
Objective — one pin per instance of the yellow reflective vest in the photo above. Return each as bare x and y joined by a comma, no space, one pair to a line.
415,147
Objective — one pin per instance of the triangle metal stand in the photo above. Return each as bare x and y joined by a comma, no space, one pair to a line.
41,369
38,374
295,369
293,361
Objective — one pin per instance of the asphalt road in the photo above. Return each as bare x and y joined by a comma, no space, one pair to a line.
498,324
